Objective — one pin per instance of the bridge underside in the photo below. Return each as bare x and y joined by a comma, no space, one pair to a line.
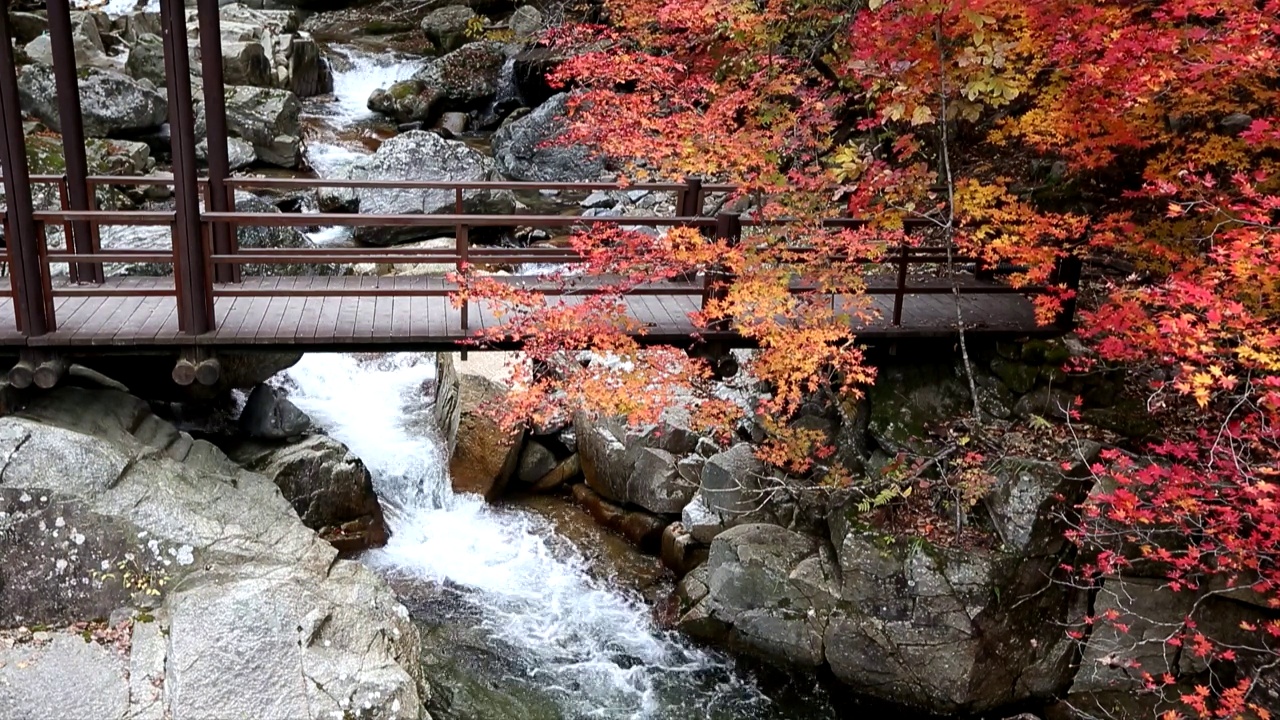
352,313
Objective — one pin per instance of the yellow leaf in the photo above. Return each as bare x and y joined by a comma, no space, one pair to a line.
922,115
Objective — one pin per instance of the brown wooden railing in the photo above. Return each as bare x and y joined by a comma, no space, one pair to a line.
218,270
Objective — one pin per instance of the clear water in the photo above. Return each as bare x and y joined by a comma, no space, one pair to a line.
593,650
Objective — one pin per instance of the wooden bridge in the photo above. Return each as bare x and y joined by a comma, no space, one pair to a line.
207,304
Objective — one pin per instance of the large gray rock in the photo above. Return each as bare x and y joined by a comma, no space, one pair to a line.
267,48
328,486
268,415
637,466
269,120
769,591
465,79
420,155
525,149
110,102
247,613
85,38
447,26
526,21
246,63
146,59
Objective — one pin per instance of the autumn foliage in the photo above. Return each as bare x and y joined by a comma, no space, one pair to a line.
1140,136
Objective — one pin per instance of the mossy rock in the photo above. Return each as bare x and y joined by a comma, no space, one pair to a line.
1129,419
906,401
1018,376
1045,352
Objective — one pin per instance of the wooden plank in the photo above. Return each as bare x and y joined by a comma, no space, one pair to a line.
348,315
127,333
420,315
400,310
285,311
311,307
88,326
259,314
380,328
287,331
327,323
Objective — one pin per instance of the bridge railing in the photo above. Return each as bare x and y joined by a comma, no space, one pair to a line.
219,272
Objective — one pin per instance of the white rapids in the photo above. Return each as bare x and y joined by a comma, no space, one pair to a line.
592,648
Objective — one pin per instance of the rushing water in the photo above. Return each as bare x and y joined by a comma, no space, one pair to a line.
590,650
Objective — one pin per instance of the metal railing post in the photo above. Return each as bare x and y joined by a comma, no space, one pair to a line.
215,115
462,245
71,125
715,283
195,295
22,240
1067,273
900,292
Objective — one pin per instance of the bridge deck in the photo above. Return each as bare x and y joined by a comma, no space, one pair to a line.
331,312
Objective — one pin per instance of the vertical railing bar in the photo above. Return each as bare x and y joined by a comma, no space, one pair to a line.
900,293
46,273
195,298
462,245
73,269
71,127
210,34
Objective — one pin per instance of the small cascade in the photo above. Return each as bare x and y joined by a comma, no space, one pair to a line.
590,649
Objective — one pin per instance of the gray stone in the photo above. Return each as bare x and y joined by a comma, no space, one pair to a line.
269,120
1052,403
769,592
270,416
535,462
599,199
526,21
325,483
240,154
732,483
701,521
85,38
252,616
64,674
526,149
447,26
246,63
1026,493
906,401
146,59
420,155
632,466
110,102
277,237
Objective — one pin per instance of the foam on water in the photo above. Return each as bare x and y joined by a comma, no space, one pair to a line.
364,73
592,647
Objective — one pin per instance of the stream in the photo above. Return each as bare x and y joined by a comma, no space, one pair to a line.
515,625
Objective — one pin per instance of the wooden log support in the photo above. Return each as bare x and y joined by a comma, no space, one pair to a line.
208,371
23,374
184,371
48,373
196,365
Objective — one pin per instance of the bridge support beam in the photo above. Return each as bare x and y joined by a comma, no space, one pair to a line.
72,127
30,302
192,276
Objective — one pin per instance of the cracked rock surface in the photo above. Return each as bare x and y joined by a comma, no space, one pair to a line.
222,603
